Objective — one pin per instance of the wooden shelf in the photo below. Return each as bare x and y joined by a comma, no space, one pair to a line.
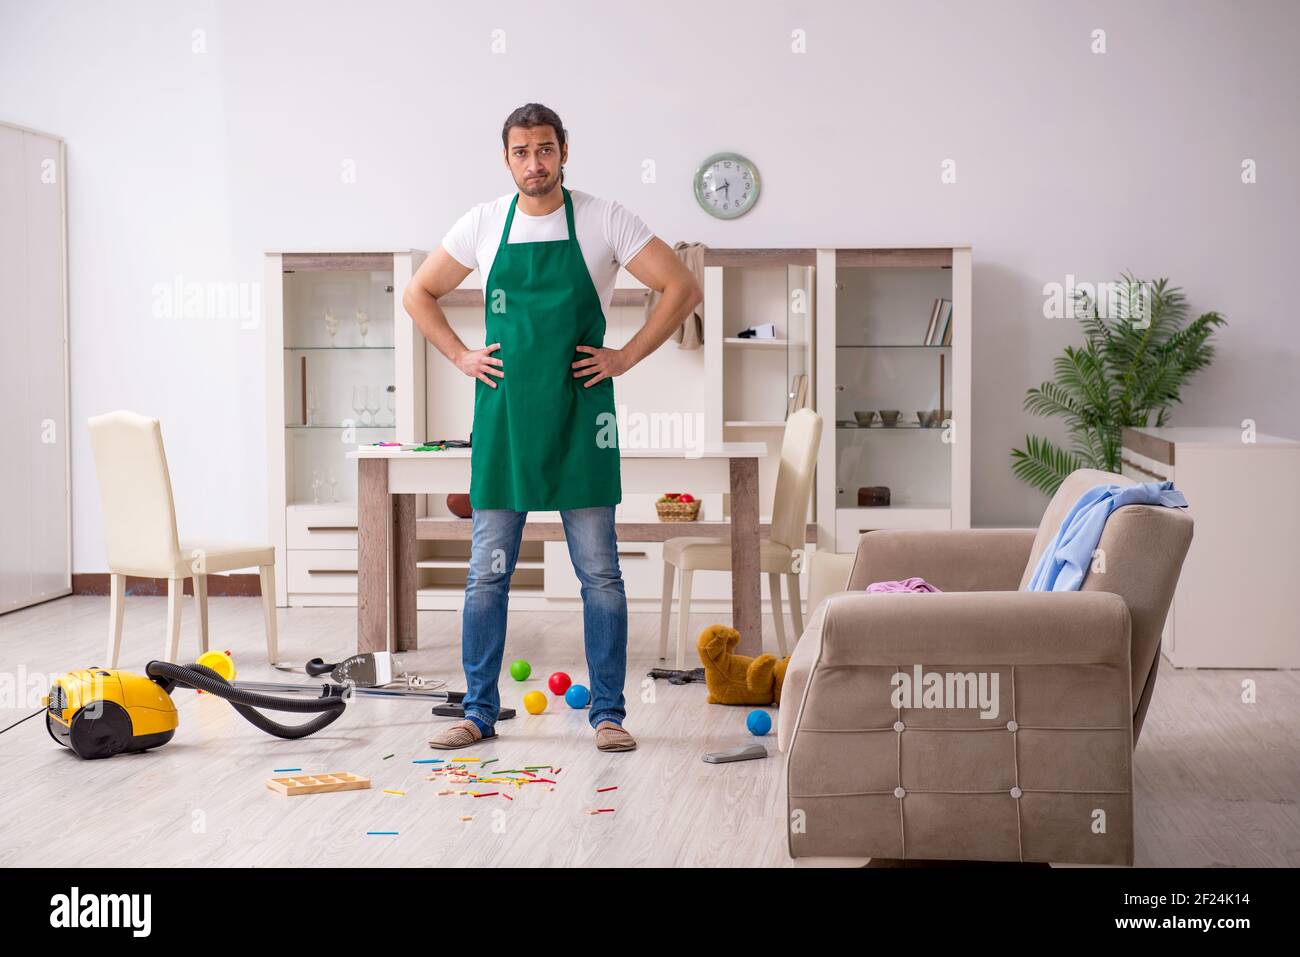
458,591
460,529
332,262
464,563
770,343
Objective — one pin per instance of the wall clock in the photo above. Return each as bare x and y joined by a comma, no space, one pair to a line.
726,185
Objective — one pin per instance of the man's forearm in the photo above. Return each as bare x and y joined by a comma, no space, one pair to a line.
677,302
432,323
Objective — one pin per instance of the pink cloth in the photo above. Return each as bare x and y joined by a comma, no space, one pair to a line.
918,585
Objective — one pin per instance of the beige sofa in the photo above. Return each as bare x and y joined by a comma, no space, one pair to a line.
1021,748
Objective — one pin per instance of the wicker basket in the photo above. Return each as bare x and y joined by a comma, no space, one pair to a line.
678,511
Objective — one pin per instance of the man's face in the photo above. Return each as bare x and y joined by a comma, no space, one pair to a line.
535,158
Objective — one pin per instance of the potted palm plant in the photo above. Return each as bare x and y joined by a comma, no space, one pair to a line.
1136,357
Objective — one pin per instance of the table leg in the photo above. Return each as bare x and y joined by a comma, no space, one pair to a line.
372,555
404,573
745,595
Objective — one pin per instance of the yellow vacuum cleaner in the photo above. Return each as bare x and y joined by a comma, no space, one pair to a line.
100,712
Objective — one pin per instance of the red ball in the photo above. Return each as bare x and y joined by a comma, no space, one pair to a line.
559,682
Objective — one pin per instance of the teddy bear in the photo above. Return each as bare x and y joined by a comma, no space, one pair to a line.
737,679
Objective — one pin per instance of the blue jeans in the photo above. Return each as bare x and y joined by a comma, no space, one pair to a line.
593,548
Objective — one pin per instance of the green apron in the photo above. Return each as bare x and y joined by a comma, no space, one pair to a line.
542,439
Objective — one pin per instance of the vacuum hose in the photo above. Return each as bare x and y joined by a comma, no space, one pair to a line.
203,678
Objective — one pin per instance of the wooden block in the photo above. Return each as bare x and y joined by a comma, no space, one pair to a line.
318,783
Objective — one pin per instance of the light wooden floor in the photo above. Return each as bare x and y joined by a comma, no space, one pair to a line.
1217,780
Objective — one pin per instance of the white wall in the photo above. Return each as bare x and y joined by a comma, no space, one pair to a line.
191,164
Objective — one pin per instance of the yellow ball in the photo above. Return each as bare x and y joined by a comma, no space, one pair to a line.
220,662
535,702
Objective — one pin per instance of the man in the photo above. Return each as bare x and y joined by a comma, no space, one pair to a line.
544,436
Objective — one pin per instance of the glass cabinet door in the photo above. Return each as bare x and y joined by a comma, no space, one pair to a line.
339,371
798,324
893,380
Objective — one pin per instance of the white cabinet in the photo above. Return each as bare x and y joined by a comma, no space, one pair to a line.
342,370
35,538
1236,605
893,346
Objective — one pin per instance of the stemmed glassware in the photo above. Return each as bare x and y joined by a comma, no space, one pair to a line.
372,404
359,403
363,324
312,406
331,324
316,485
332,481
392,406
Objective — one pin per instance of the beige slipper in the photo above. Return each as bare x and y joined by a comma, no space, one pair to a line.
459,735
611,737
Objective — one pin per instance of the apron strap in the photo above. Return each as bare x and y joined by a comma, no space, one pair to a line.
568,215
510,218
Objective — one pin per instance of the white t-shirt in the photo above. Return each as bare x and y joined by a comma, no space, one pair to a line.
610,236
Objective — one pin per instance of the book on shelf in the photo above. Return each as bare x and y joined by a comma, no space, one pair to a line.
934,320
940,330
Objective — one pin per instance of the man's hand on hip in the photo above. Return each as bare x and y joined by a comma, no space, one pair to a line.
477,363
604,363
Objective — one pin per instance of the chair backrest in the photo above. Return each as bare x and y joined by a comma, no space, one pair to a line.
794,478
1140,556
135,491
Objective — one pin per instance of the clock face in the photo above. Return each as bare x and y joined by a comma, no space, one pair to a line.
726,185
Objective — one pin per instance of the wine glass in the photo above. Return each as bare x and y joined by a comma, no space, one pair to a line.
372,404
331,324
312,406
363,324
332,481
392,405
316,485
359,403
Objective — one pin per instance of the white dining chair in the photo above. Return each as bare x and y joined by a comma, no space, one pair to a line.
781,554
135,491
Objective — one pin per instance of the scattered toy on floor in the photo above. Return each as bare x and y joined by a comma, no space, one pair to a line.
520,669
738,679
535,702
318,783
577,697
559,682
759,723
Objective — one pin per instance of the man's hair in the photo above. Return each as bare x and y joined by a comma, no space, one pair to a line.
535,114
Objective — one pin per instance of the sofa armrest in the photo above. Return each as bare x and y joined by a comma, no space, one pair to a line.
1005,628
957,560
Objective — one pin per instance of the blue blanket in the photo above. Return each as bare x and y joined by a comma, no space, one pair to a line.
1064,563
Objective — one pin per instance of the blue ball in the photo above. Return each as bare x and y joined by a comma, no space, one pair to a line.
759,723
577,696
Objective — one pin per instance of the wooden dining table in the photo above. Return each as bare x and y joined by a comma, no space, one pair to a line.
389,479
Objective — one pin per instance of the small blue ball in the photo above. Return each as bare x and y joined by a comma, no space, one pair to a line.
577,696
759,723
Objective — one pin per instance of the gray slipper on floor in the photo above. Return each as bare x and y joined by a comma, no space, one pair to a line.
459,735
611,737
